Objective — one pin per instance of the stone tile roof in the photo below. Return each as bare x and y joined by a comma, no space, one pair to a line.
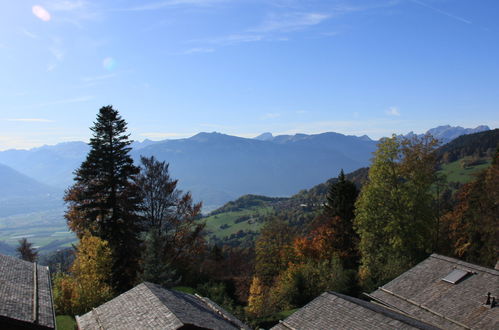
332,310
24,301
421,293
149,306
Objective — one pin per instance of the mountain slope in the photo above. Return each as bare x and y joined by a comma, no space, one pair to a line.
15,184
52,165
218,167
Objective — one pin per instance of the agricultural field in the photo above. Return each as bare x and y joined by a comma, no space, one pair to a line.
47,230
228,223
464,170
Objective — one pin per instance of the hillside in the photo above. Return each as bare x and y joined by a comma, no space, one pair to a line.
238,222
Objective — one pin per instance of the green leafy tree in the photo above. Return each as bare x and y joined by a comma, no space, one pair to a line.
104,199
26,251
273,250
395,213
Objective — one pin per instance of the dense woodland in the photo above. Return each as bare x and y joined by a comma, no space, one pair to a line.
350,234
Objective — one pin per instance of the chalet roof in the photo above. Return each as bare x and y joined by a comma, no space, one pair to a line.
25,294
422,293
332,310
149,306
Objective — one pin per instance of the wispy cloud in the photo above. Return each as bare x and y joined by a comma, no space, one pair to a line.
64,101
458,18
29,34
57,52
30,120
163,135
51,67
99,78
393,111
290,22
233,39
66,5
170,3
198,50
270,115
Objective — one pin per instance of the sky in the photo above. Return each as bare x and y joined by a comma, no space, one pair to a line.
174,68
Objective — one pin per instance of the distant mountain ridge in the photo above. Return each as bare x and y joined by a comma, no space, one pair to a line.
447,133
218,168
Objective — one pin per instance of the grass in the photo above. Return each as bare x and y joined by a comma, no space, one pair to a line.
65,322
282,315
185,289
456,172
224,224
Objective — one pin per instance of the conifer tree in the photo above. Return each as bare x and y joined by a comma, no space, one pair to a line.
340,198
339,215
26,250
155,268
104,200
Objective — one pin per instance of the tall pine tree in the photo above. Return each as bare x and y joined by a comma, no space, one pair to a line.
104,201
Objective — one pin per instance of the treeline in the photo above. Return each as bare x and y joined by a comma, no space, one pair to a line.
476,145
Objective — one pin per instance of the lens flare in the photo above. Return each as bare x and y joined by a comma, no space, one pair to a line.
41,13
109,63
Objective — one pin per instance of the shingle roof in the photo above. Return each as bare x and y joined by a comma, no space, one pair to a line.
332,310
24,301
421,293
149,306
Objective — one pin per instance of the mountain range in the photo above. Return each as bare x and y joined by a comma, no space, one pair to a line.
447,133
215,167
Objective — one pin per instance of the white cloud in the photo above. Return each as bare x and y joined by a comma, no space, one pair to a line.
393,111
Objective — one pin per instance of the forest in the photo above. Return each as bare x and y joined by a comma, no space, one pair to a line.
351,234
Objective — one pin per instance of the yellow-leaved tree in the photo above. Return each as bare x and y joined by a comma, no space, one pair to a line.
87,284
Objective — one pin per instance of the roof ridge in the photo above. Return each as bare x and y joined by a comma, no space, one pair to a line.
213,306
388,312
156,286
35,294
465,264
412,302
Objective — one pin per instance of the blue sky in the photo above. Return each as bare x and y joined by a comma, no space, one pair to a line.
242,67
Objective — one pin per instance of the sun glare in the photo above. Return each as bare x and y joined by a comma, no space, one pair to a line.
41,13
